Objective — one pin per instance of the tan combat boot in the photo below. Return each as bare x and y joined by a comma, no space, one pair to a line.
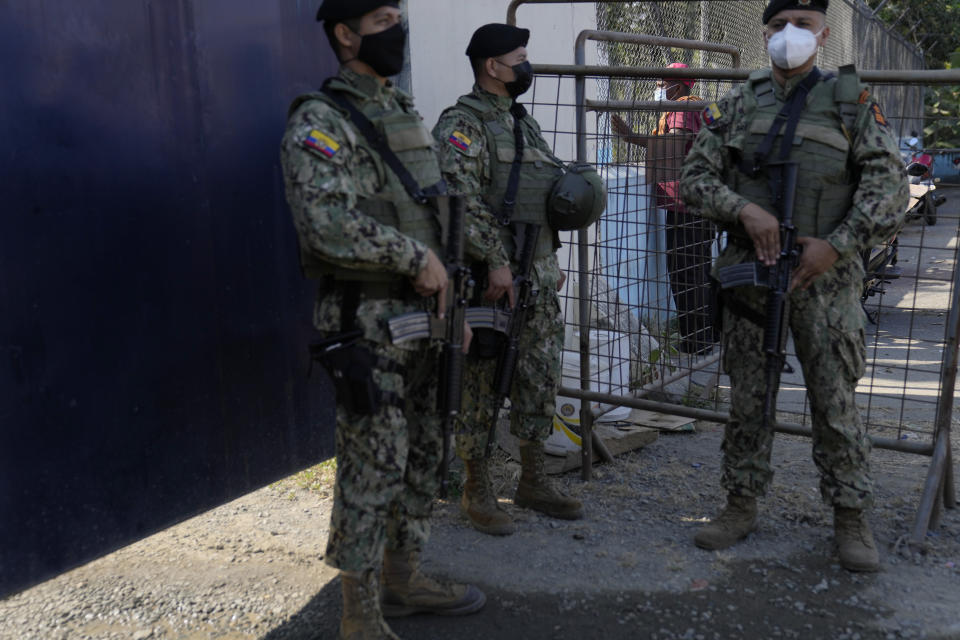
362,619
536,491
479,503
858,551
405,590
734,523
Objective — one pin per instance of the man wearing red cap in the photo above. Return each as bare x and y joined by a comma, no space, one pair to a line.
689,236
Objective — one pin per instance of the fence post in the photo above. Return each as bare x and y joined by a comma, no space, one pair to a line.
940,472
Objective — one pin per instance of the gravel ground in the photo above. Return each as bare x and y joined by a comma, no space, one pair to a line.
254,567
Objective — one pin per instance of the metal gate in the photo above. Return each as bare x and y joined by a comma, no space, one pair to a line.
623,286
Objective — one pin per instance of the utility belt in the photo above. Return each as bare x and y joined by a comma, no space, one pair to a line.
398,288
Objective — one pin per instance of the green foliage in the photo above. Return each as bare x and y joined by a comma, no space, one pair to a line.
318,478
934,25
942,130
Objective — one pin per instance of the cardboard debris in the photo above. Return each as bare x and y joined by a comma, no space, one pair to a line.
619,438
662,421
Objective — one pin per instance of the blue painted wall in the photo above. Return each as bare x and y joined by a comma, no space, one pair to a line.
153,320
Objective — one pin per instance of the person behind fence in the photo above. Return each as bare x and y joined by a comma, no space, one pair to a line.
689,236
374,249
493,153
851,194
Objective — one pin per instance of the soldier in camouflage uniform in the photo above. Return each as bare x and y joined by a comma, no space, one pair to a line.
851,196
477,142
374,248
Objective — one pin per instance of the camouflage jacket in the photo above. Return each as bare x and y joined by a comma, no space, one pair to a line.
323,186
880,198
465,162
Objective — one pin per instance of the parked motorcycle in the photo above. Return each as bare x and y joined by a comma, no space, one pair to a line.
923,197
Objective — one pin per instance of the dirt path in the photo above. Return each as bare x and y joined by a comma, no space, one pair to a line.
253,568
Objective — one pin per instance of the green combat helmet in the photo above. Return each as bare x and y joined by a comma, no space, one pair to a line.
577,199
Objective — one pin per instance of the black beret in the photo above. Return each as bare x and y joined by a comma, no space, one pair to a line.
492,40
333,11
776,6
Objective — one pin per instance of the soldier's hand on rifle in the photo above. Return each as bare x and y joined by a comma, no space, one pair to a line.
431,280
500,282
764,229
816,258
563,278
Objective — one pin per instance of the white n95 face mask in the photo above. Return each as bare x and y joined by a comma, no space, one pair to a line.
790,47
660,94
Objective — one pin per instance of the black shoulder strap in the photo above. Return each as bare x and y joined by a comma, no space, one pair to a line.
379,143
789,115
513,182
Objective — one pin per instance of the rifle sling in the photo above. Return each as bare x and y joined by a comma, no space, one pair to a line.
519,112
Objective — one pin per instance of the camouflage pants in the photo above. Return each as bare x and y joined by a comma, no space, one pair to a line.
535,382
827,326
387,466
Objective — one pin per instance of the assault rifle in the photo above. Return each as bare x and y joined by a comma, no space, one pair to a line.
783,188
511,323
420,324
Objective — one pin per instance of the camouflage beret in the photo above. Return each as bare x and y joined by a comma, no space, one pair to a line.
334,11
776,6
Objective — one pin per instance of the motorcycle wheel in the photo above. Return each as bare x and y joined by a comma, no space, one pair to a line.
930,210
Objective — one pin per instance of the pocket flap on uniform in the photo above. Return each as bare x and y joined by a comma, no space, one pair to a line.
805,130
416,137
529,155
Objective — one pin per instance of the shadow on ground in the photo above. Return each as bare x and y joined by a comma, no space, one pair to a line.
768,599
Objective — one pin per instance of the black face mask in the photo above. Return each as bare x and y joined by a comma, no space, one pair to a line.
522,79
384,51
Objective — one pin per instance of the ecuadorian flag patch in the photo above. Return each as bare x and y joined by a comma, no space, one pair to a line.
711,114
460,141
322,142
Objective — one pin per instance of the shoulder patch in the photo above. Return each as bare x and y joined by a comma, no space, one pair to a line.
460,141
878,115
864,96
711,114
319,141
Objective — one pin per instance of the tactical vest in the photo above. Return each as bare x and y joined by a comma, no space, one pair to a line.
539,171
827,179
413,144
